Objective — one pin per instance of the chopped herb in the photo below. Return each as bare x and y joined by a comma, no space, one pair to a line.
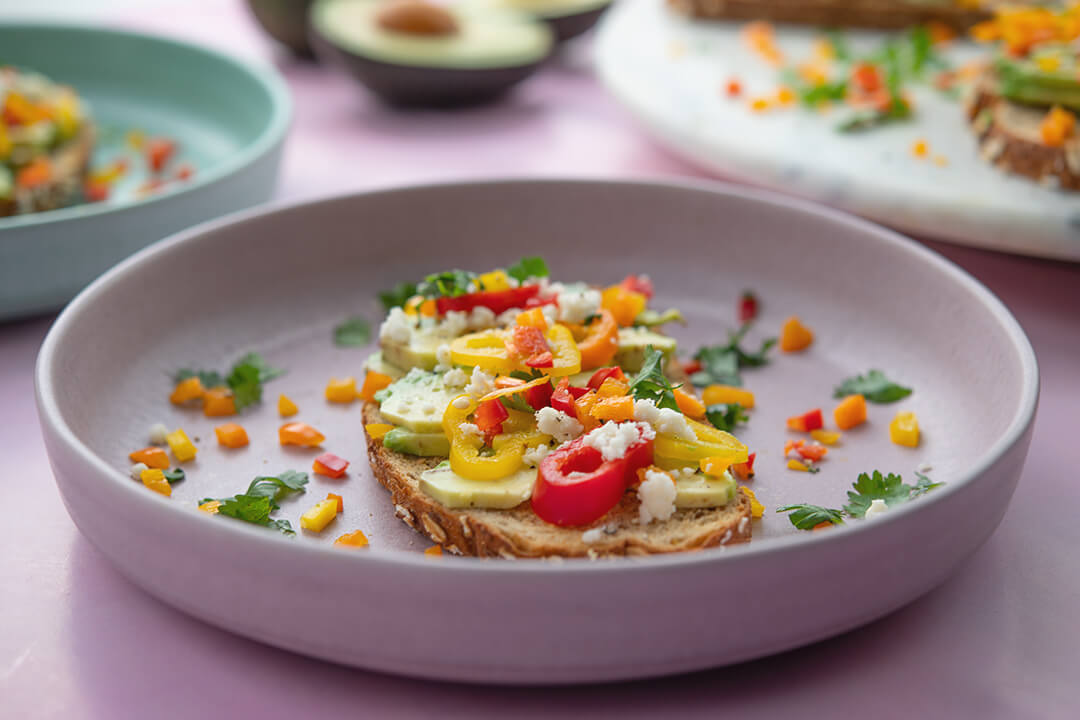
397,296
726,416
897,110
208,378
528,267
651,318
450,283
651,383
260,499
807,517
526,376
175,475
923,486
245,379
516,401
813,469
591,318
720,364
874,386
354,332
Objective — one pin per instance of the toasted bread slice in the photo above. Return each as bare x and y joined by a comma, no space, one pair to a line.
70,163
836,13
520,533
1010,138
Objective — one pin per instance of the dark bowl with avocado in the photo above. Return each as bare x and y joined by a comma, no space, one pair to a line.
286,21
414,54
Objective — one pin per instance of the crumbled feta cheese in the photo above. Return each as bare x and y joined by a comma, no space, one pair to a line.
159,434
578,304
925,468
549,289
551,314
461,402
442,357
481,318
657,496
557,424
593,536
534,455
665,420
877,507
480,384
468,429
455,378
508,317
453,324
614,439
396,328
137,469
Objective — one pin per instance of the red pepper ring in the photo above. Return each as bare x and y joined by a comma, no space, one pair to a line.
497,301
576,486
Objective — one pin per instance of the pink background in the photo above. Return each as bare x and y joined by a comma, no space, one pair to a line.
77,640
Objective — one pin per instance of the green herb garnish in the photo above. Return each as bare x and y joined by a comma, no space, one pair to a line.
874,386
261,498
397,296
726,416
651,383
807,517
450,283
354,332
867,488
720,364
245,379
528,267
175,475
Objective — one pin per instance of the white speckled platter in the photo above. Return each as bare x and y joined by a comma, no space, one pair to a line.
670,73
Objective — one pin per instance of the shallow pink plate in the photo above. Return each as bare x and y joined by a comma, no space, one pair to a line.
277,282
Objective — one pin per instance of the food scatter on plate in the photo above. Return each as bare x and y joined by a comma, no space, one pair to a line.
51,154
509,415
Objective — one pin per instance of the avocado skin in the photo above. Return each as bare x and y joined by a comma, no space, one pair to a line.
1023,83
567,27
406,87
286,21
406,441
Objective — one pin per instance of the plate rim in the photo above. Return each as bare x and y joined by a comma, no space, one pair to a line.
264,75
52,423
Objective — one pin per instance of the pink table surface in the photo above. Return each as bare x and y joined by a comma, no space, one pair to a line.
76,640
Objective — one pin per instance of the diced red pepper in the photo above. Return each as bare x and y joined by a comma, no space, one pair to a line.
748,307
563,399
184,172
497,301
539,396
603,374
95,191
734,88
806,422
529,342
639,284
812,452
158,153
490,415
330,465
692,366
745,470
866,77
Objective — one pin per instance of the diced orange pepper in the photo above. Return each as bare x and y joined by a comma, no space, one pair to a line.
428,308
155,480
355,539
1057,126
583,407
301,434
340,501
624,305
378,430
341,391
158,153
785,95
850,412
286,407
727,395
534,317
187,390
616,408
153,457
37,173
231,435
734,88
715,466
745,470
920,148
813,452
612,387
218,402
688,404
373,383
434,551
794,336
601,341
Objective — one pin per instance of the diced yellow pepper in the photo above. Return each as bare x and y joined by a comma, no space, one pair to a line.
715,466
210,506
757,510
624,305
187,390
727,395
155,480
825,437
319,515
286,407
494,281
355,539
434,551
181,446
533,317
378,430
796,465
5,142
904,429
341,391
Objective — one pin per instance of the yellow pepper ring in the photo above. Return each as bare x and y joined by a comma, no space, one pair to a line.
486,350
465,457
711,443
564,351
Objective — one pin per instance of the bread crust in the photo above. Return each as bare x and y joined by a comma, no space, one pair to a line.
519,533
886,14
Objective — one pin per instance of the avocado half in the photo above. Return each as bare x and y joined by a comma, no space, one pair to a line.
493,50
286,21
567,18
1024,81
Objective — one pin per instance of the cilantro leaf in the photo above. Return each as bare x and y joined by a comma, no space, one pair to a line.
397,296
924,485
175,475
807,517
528,267
870,487
874,386
651,318
246,379
208,378
449,283
720,364
354,332
260,499
726,417
516,402
651,384
526,376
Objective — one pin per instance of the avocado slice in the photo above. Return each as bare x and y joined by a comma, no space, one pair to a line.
416,401
1024,81
410,442
454,491
632,343
489,51
567,18
421,352
376,363
704,491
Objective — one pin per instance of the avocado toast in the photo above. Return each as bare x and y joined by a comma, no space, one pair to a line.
511,416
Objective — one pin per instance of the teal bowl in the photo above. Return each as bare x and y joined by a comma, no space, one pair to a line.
229,119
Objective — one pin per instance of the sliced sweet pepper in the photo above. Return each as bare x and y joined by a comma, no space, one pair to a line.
603,374
850,412
709,442
286,407
563,400
319,515
757,510
624,305
745,470
601,340
153,457
689,405
465,457
904,429
355,539
811,420
342,390
617,408
486,350
231,435
338,499
497,301
330,465
825,437
794,336
639,284
155,480
373,383
298,433
218,402
727,395
489,416
566,358
182,447
187,390
378,430
531,345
